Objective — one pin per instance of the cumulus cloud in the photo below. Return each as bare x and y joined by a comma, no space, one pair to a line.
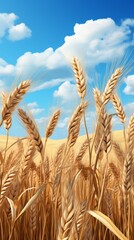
32,104
67,92
19,32
34,108
96,41
93,42
7,73
6,21
129,89
48,84
7,69
63,123
35,111
2,86
129,109
42,120
128,22
8,27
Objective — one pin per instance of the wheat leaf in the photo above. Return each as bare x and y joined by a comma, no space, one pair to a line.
13,209
31,201
108,223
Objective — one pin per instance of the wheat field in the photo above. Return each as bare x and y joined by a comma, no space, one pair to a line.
79,188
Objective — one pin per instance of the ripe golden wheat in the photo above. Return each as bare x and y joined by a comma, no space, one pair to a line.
76,194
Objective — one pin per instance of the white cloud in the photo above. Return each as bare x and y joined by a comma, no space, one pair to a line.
34,109
128,22
129,109
67,92
30,61
2,86
63,123
7,70
6,21
42,120
94,41
19,32
129,89
48,84
32,105
8,27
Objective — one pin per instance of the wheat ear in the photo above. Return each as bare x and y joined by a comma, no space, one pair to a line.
80,78
8,122
118,107
111,84
80,217
108,129
131,133
6,183
119,153
66,220
98,99
32,130
74,124
27,159
13,99
129,158
52,124
82,151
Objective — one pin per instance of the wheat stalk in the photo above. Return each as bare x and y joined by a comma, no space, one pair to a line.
13,100
6,183
115,170
82,151
66,220
27,159
111,84
131,133
129,158
119,153
74,124
100,128
8,122
107,129
52,123
98,99
81,216
80,78
33,216
32,130
118,107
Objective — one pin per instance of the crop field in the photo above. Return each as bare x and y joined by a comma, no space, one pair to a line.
79,188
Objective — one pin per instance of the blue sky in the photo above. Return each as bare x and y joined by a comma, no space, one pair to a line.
38,40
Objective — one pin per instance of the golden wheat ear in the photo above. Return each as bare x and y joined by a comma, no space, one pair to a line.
127,171
32,130
74,124
13,100
98,99
7,122
80,78
118,107
52,123
111,84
